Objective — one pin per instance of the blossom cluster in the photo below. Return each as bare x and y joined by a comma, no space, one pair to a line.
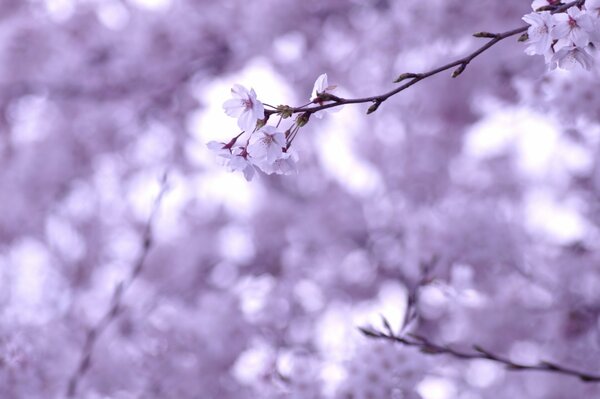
260,146
566,38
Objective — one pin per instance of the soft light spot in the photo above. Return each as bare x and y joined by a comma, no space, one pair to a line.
113,14
483,373
339,158
235,244
436,388
558,220
153,5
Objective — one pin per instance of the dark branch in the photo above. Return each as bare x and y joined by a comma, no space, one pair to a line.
459,66
429,347
117,297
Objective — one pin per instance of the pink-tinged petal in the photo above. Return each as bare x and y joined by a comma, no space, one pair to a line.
240,92
234,107
580,37
560,30
258,109
320,85
215,145
247,121
258,149
533,18
249,172
279,139
274,152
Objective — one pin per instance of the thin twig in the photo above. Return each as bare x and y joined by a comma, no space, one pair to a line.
115,305
459,65
429,347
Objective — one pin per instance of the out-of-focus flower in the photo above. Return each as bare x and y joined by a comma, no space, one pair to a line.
245,106
267,144
539,40
570,57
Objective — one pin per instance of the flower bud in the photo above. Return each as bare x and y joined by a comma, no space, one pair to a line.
302,119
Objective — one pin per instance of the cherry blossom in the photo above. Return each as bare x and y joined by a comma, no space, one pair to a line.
593,6
539,40
245,106
321,87
569,57
240,161
572,27
267,144
285,165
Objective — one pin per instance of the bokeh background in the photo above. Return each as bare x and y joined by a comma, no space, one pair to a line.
256,289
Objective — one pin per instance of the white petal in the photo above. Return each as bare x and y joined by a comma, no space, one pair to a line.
240,91
320,85
247,121
234,107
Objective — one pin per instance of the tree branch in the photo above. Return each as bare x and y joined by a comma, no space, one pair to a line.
115,305
459,65
429,347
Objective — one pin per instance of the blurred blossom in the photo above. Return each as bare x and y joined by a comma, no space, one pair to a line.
468,205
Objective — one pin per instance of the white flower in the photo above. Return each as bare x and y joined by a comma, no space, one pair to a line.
322,86
220,149
245,106
539,40
593,6
569,57
239,160
572,27
286,165
267,145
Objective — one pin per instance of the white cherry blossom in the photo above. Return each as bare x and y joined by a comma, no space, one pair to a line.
593,6
245,106
240,160
569,57
322,86
285,165
572,27
267,144
539,41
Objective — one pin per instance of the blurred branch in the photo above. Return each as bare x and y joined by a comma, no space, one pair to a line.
431,348
117,297
459,67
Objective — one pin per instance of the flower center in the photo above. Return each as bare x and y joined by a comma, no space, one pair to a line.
247,103
572,23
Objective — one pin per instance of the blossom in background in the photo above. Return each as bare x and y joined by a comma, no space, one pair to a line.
539,40
245,106
267,144
569,57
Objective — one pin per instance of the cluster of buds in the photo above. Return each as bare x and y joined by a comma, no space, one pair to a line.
260,146
565,38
